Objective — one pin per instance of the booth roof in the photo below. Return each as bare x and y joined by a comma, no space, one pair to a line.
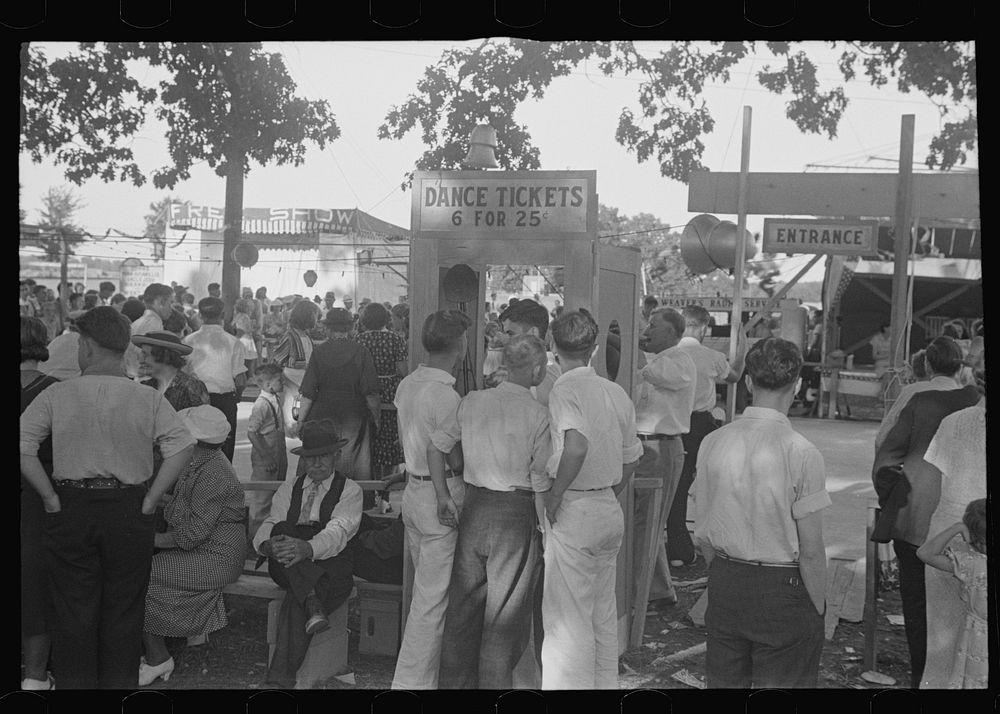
291,226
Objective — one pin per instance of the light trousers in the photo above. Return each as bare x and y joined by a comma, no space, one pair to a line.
663,460
579,610
432,548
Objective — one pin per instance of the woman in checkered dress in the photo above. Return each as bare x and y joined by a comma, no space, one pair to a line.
204,550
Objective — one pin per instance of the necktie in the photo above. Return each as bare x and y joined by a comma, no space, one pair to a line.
305,515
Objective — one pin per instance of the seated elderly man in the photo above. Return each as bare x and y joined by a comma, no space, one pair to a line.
306,542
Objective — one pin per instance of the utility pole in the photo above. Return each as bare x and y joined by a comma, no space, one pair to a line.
736,318
232,232
902,248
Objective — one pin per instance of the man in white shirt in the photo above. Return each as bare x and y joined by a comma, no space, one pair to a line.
761,490
712,366
218,360
505,433
426,408
158,299
305,539
662,415
527,317
594,452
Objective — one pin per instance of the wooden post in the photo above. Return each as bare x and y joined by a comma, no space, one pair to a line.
871,592
63,292
902,248
232,231
735,320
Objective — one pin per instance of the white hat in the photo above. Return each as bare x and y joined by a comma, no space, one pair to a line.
206,423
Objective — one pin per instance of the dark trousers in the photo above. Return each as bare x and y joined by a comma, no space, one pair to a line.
679,545
914,596
98,551
492,588
331,581
226,403
763,629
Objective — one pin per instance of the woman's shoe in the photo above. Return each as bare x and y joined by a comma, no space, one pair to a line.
38,685
148,675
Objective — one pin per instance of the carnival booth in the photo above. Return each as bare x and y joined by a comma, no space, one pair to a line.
466,222
944,283
351,252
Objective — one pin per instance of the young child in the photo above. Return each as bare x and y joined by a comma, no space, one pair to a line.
506,447
243,325
968,564
266,431
427,405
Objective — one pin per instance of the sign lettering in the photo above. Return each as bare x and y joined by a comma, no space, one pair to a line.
713,303
800,235
529,205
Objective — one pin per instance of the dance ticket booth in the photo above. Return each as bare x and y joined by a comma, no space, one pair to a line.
484,218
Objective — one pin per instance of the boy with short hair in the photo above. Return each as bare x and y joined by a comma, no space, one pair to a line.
594,452
426,404
507,447
266,431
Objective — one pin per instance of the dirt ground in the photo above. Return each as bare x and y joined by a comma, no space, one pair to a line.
235,657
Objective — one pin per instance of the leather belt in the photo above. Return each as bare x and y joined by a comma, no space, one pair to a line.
602,488
418,477
109,482
657,437
755,562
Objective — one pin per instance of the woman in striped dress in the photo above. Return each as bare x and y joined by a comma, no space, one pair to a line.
202,551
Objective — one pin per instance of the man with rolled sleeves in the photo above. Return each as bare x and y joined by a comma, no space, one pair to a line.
99,527
219,360
662,416
712,366
760,494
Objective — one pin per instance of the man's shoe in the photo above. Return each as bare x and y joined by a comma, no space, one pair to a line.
317,621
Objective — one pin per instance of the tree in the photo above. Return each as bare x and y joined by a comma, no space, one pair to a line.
56,224
488,83
223,104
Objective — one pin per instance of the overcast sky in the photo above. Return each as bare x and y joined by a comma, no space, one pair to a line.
573,126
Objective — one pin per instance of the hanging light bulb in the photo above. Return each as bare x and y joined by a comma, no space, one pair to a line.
482,148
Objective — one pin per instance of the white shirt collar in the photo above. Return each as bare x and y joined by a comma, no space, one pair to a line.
433,374
688,341
585,371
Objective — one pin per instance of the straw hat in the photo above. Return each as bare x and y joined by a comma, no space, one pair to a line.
162,339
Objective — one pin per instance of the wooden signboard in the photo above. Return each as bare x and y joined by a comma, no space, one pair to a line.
824,236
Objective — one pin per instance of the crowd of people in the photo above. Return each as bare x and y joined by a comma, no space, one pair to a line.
510,510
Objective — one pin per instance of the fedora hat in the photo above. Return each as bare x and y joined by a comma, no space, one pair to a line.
206,423
338,317
319,437
162,339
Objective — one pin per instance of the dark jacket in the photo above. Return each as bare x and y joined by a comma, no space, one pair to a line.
906,444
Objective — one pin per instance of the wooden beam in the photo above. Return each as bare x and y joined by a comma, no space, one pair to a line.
942,300
776,298
868,285
951,195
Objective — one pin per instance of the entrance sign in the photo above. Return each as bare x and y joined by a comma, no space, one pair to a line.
512,203
801,235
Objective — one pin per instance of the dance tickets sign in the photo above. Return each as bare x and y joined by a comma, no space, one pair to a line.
521,204
826,236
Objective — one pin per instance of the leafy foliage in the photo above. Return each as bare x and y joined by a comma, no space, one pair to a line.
221,102
59,206
487,84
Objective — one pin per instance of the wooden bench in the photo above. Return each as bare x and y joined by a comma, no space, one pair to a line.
327,655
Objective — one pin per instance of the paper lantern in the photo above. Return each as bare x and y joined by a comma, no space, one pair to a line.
310,278
246,254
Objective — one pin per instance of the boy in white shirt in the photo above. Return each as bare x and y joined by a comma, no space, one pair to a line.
427,404
594,452
505,433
